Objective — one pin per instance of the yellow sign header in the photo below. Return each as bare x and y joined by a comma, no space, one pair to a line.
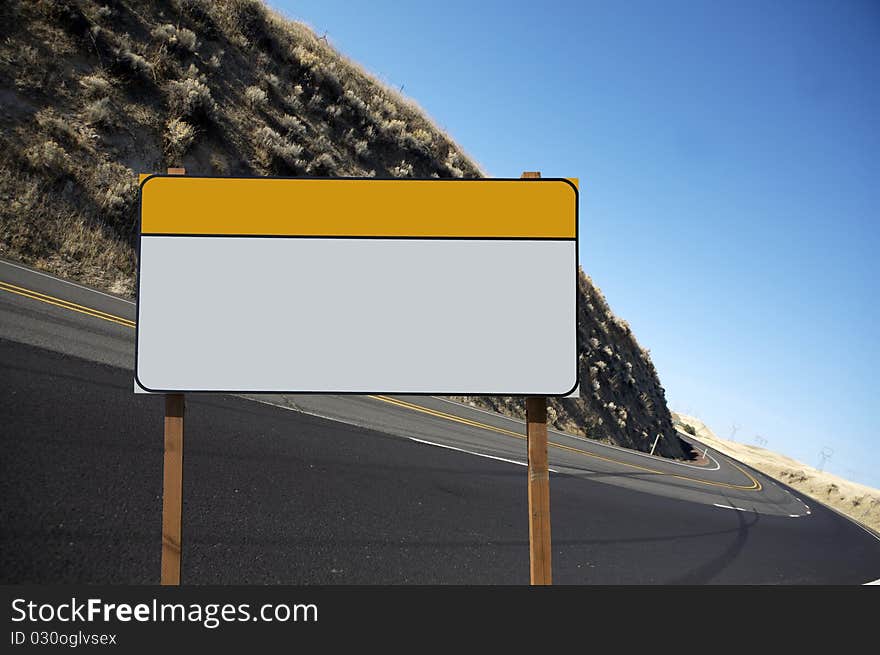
345,207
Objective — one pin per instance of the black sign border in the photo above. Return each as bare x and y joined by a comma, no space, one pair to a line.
338,179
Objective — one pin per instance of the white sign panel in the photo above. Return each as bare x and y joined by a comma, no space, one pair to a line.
357,286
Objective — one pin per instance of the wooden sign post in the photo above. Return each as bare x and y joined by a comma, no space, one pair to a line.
172,479
539,483
539,492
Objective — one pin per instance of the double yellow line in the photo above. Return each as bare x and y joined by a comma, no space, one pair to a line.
65,304
448,417
88,311
754,486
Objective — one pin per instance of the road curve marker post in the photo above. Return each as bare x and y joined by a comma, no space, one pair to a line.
540,561
172,479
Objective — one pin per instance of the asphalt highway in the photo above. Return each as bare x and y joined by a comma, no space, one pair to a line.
351,489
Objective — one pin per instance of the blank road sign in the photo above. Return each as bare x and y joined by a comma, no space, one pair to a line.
357,286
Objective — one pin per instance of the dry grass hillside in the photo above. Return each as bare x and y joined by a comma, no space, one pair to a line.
855,500
93,92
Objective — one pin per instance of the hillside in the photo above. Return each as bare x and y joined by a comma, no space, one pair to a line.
94,92
857,501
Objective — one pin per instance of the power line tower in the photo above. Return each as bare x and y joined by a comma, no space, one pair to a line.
733,431
852,474
824,455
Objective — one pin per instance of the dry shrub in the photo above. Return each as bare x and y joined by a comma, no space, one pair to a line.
246,24
293,125
178,138
115,189
129,63
191,98
422,138
179,39
219,165
48,156
255,97
58,127
403,169
273,81
29,73
354,102
95,86
103,12
316,103
281,154
452,164
200,13
98,112
323,165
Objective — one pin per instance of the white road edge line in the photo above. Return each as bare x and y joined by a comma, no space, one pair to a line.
300,410
58,279
471,452
584,439
376,429
738,509
847,518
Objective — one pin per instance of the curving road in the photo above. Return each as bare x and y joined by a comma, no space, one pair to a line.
353,489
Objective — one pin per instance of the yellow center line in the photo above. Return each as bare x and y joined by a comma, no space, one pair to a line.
65,304
95,313
755,486
448,417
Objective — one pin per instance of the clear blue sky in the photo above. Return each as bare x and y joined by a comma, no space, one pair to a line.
729,158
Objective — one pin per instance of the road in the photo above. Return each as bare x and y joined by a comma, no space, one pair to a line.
351,489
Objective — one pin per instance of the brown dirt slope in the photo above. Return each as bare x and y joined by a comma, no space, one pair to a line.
93,92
